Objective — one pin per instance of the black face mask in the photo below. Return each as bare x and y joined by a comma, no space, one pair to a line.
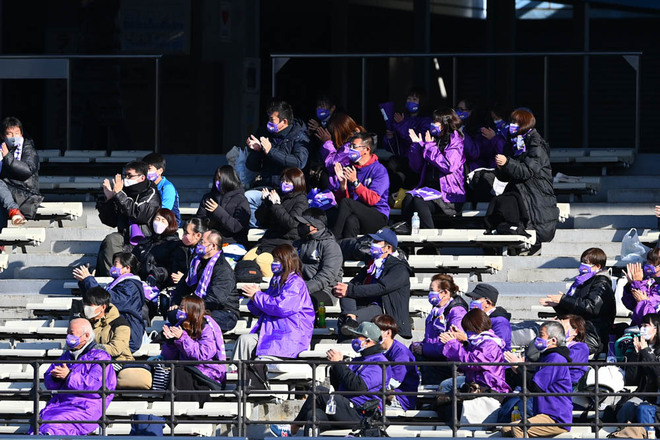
303,230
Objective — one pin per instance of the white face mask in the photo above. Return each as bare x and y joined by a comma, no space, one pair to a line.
90,311
159,227
646,332
130,182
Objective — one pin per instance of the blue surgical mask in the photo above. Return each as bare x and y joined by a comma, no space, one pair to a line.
463,115
584,268
218,185
357,345
412,107
354,155
540,344
115,272
434,298
276,267
498,123
286,187
323,114
200,250
476,305
72,342
513,128
435,130
649,270
376,250
272,127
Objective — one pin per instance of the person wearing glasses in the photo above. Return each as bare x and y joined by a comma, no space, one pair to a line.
361,190
130,204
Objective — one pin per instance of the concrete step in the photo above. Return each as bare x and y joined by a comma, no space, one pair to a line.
590,237
27,266
640,195
34,286
87,247
538,275
575,248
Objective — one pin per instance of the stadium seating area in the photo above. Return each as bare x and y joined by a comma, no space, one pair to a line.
39,294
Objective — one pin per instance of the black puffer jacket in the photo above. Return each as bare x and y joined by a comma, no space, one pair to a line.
594,301
530,174
644,376
392,289
289,150
321,260
22,177
279,220
121,211
161,256
232,216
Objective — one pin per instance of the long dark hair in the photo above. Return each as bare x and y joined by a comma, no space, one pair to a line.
195,308
290,260
450,122
228,179
579,324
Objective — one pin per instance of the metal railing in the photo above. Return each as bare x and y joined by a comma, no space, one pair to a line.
632,57
244,396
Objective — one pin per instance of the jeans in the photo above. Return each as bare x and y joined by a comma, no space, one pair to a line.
254,199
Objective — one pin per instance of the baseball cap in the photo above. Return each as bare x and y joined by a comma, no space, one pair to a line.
367,329
387,235
483,290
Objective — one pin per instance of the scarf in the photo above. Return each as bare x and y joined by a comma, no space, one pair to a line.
121,278
203,284
134,190
18,152
579,280
488,335
519,146
376,268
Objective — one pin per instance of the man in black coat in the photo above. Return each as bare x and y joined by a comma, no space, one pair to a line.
19,178
320,255
383,286
285,146
132,200
216,286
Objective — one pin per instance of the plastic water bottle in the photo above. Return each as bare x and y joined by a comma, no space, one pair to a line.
515,415
415,224
321,315
651,431
611,350
331,406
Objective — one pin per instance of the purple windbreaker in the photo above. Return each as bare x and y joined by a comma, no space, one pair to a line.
484,347
286,318
372,375
330,156
437,324
579,354
480,152
642,308
554,379
400,143
373,176
86,407
406,375
449,162
210,346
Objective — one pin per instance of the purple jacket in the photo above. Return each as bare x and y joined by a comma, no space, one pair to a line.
330,156
286,318
448,162
484,347
400,143
374,189
210,346
642,308
372,375
437,323
480,152
500,320
554,379
406,375
579,354
85,407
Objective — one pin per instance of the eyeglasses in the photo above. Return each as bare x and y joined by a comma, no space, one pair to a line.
132,176
359,146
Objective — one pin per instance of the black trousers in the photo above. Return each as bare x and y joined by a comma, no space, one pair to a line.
346,412
186,380
426,210
355,218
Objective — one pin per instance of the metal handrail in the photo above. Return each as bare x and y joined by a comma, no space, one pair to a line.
636,55
242,393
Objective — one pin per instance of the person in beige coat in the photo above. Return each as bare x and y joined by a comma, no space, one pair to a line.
112,333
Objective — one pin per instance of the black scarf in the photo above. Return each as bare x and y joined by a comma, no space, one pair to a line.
134,190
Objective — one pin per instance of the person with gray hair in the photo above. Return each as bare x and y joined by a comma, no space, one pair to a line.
85,406
548,378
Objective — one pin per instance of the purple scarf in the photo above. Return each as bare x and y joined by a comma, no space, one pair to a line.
121,278
438,317
203,284
579,280
479,339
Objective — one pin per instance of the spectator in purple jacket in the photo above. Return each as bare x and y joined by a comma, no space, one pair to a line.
196,338
361,191
405,378
439,158
482,143
642,295
485,298
285,311
396,139
448,309
547,379
86,378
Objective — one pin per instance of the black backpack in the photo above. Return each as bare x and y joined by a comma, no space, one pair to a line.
248,271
